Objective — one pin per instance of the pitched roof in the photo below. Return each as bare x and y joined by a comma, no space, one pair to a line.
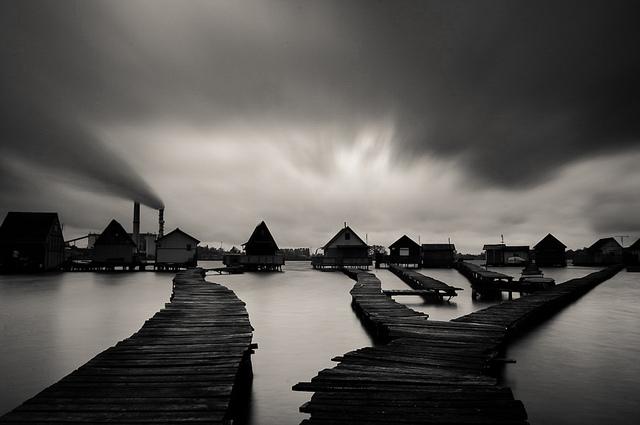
635,245
550,241
261,235
600,242
404,241
114,234
438,247
27,227
179,232
340,232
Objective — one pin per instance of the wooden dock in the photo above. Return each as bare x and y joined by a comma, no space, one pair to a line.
189,363
436,290
431,372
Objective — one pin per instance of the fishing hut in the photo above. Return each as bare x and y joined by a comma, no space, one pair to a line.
603,252
114,248
403,252
31,242
261,252
506,255
176,250
438,255
345,250
550,252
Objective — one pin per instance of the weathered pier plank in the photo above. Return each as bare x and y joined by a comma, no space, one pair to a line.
436,290
429,372
185,365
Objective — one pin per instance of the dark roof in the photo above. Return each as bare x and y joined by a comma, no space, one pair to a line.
600,242
635,245
261,235
27,227
438,247
114,234
493,246
516,247
404,241
178,231
340,232
549,242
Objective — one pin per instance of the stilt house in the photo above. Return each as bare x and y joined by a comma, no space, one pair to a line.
345,249
405,252
550,252
261,252
31,242
438,255
114,246
175,250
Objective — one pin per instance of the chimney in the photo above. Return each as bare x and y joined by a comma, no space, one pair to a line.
160,223
136,223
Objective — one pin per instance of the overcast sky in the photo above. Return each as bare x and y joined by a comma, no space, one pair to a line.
450,119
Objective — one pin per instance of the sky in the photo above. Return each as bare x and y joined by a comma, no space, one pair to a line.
458,120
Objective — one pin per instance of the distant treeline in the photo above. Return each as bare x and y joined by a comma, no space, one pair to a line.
212,253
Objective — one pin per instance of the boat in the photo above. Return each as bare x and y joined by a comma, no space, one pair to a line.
516,261
532,276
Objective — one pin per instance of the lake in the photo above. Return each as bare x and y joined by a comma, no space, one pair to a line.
578,367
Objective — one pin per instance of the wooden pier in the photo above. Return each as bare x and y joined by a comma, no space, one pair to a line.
488,283
189,363
430,372
435,290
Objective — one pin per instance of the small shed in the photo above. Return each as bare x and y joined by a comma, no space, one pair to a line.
345,249
114,246
405,251
438,255
261,242
605,251
550,252
176,249
505,255
31,242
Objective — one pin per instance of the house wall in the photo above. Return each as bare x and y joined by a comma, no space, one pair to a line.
176,248
438,258
550,257
609,253
413,257
355,251
113,254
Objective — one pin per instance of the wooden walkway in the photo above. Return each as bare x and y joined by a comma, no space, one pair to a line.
437,289
431,372
189,363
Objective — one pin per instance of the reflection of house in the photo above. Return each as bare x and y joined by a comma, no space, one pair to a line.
345,249
176,249
605,251
550,252
405,252
503,255
114,246
438,254
260,252
31,242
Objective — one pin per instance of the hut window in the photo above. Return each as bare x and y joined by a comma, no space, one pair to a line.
347,236
404,252
188,247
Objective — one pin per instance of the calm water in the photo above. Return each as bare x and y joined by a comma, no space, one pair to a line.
579,367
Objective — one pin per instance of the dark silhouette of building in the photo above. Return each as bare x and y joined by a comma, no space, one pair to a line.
261,242
405,251
114,246
261,252
605,251
550,252
506,255
632,254
345,249
30,242
176,249
438,255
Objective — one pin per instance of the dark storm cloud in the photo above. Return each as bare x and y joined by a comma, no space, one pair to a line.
510,93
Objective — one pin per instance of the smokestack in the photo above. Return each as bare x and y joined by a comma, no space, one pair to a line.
160,223
136,223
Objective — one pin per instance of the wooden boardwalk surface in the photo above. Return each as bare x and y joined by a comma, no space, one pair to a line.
418,281
431,372
185,365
